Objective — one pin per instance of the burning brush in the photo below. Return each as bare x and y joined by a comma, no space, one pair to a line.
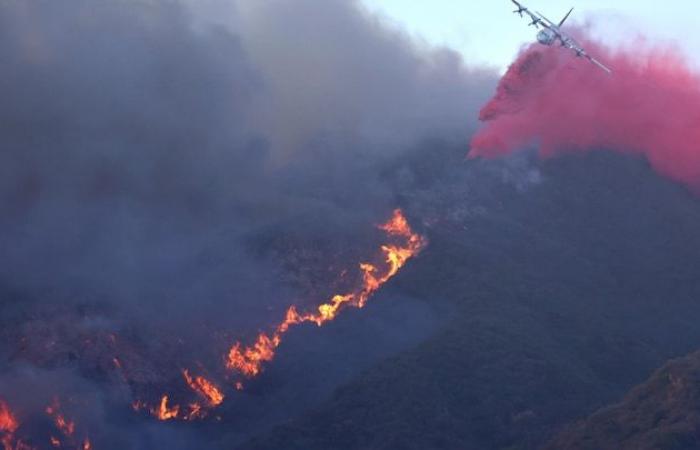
240,363
246,362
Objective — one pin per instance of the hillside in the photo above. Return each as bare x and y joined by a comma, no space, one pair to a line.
663,413
561,293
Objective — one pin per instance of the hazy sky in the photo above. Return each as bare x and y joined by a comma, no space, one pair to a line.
487,31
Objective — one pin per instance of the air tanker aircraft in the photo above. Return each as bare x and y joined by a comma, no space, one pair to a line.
551,33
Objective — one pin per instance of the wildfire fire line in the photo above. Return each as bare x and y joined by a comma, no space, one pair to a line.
239,361
206,389
65,437
249,360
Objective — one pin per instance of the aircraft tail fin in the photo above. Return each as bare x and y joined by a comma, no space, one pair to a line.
565,17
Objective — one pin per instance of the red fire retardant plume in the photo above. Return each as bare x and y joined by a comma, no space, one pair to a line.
649,106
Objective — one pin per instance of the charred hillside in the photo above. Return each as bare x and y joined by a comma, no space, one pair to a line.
564,284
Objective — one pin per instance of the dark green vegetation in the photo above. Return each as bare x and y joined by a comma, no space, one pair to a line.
561,290
661,414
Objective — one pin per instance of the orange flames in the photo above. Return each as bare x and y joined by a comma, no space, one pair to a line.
8,422
402,245
8,426
66,427
249,360
163,411
205,388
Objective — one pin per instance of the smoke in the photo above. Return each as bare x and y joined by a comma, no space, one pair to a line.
365,85
142,146
649,106
174,174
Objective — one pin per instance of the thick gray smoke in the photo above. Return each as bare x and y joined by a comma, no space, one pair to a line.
138,138
161,162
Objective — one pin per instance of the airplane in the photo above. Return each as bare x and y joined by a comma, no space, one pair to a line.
551,33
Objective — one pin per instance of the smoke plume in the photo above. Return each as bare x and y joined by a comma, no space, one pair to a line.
175,174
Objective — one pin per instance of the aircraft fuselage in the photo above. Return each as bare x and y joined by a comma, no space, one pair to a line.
546,37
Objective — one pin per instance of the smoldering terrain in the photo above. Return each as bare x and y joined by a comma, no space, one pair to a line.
174,175
171,182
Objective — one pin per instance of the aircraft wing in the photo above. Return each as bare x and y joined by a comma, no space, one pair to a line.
539,19
570,43
599,64
536,18
550,24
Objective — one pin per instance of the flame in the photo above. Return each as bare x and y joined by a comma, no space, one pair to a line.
138,405
196,412
165,413
162,411
205,388
249,360
246,360
65,426
8,422
8,426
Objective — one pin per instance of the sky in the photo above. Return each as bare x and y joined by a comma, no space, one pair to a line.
487,32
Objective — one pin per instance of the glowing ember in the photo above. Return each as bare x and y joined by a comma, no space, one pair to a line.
196,412
8,426
8,422
160,412
163,412
22,446
65,426
205,388
249,360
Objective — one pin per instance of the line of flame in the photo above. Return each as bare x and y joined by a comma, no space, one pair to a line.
66,427
9,425
249,360
205,388
162,411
